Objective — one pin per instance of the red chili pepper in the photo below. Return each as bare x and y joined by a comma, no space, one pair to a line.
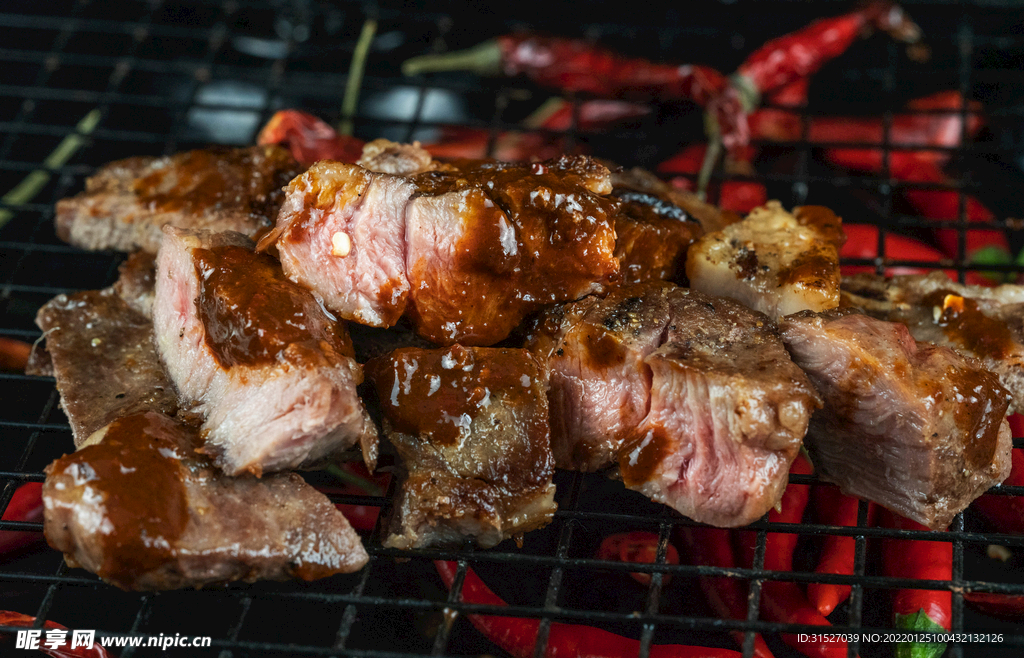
638,547
796,56
8,618
574,65
25,505
1003,606
14,354
1006,513
358,481
713,547
786,602
918,609
862,243
308,138
837,552
517,635
737,196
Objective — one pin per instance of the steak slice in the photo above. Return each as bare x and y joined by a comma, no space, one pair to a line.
267,368
126,203
912,426
141,509
466,249
104,360
773,261
471,426
136,281
976,321
651,238
693,396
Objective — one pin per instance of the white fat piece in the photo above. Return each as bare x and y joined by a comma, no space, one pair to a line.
770,262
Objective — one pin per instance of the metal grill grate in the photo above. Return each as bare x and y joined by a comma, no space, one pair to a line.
167,77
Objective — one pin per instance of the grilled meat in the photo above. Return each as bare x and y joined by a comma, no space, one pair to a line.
268,369
386,157
912,426
711,218
984,323
471,426
136,280
651,238
693,396
126,203
141,509
772,261
468,249
104,360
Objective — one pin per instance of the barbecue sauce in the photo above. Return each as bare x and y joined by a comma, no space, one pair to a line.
979,406
253,315
436,394
640,458
134,478
964,323
242,180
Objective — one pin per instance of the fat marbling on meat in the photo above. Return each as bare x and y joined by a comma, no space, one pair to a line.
256,355
471,427
980,322
139,507
466,249
773,261
126,203
693,397
910,425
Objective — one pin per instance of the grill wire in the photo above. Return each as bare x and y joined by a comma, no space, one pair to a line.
169,77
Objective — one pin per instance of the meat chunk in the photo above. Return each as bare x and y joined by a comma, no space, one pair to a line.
693,396
468,249
471,426
256,355
912,426
711,218
136,281
651,238
984,323
127,202
104,360
772,261
141,509
387,157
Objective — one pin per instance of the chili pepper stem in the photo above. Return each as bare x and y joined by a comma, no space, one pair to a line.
482,59
355,76
704,176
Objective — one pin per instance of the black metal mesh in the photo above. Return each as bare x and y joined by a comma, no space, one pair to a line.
167,77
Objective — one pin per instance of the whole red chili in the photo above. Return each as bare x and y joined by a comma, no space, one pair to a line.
833,507
574,65
308,138
786,602
918,609
638,547
727,596
14,354
1003,606
8,618
862,243
25,505
518,636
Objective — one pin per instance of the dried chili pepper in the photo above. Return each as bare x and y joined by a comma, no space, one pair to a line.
862,243
918,609
26,505
713,547
8,618
837,551
786,602
518,635
358,481
1003,606
796,56
308,138
574,65
637,547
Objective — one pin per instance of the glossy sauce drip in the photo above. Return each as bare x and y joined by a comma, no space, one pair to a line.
963,322
640,458
813,269
140,479
436,394
252,312
979,406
